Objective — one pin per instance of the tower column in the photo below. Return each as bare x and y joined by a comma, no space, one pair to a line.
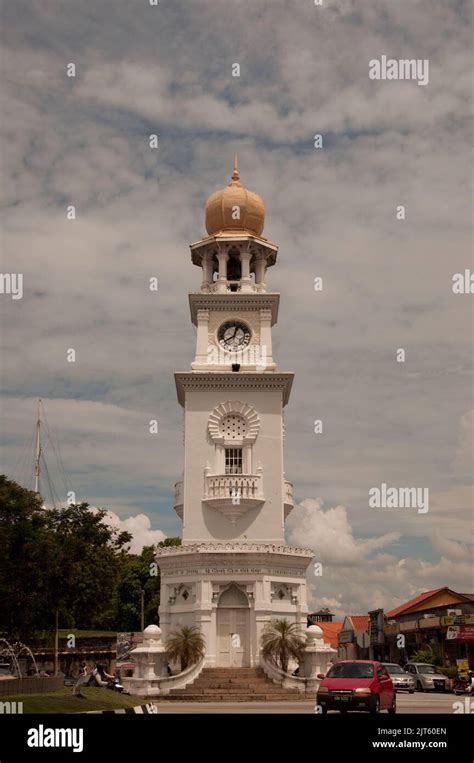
246,281
222,279
260,272
202,339
206,271
266,336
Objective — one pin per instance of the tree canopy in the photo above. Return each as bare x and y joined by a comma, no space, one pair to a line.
72,561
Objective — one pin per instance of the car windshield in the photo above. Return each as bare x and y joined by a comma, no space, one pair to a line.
426,669
394,669
351,670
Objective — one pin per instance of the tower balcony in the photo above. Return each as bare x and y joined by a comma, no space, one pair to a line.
179,498
288,502
233,494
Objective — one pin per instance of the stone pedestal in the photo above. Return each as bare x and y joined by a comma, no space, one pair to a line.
151,663
317,656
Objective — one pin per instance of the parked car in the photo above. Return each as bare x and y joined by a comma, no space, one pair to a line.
401,680
427,677
356,685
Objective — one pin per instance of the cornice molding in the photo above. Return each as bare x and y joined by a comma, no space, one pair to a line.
234,547
186,380
234,301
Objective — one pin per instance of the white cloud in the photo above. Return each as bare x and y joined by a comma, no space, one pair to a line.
139,526
465,452
329,534
452,548
356,577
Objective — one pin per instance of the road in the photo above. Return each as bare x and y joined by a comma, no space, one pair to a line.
406,704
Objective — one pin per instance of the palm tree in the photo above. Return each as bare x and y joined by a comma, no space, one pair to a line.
186,644
281,641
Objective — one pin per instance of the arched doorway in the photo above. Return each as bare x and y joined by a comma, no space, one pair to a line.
233,629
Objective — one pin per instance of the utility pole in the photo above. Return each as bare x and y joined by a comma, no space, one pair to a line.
142,609
56,643
38,448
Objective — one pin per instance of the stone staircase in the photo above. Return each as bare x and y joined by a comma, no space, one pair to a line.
236,685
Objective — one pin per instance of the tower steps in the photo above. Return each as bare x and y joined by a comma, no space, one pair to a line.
235,685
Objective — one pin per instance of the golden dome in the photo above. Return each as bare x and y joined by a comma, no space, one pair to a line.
221,208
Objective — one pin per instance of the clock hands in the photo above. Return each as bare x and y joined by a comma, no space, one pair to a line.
234,337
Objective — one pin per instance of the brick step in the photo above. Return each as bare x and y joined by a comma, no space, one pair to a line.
235,687
227,697
230,681
254,690
233,672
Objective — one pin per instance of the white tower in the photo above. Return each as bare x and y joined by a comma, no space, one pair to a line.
233,572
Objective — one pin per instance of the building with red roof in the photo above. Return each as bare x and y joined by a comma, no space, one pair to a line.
353,638
440,621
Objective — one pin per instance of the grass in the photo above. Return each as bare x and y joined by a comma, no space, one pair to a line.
63,701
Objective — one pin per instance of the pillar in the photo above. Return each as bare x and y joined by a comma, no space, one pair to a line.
202,340
266,335
222,258
206,271
260,266
246,281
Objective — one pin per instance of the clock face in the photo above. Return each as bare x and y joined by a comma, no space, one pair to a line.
233,336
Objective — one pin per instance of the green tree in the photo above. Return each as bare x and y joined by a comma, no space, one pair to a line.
72,561
425,655
282,641
135,577
27,556
86,569
64,559
172,541
185,645
137,573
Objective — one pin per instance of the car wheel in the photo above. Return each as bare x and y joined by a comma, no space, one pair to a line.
393,709
376,705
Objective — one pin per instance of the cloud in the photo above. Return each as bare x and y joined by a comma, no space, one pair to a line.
357,576
329,534
452,549
465,451
140,528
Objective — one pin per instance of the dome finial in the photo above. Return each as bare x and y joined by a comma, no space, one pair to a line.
235,174
221,206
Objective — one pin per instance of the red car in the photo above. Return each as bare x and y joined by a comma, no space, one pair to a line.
356,685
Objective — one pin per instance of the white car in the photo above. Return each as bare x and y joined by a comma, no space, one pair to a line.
402,681
427,677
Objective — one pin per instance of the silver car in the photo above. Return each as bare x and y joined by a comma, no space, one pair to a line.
401,680
427,677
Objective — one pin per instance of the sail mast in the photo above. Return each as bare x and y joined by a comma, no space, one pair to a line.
38,448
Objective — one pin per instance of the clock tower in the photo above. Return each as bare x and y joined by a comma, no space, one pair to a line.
233,572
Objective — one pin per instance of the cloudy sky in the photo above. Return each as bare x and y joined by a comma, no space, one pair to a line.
387,283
